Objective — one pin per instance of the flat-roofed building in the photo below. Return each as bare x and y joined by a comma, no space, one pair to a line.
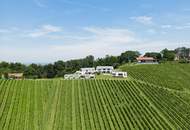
104,69
90,70
80,75
119,74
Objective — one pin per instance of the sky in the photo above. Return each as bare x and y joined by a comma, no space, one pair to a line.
44,31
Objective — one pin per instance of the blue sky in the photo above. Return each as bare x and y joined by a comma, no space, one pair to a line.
44,31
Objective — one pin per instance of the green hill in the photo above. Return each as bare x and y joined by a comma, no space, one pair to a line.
172,76
153,97
89,105
169,75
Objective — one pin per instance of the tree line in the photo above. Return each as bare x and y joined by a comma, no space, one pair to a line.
60,68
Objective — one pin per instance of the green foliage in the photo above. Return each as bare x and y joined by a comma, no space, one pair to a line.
48,71
155,55
33,71
183,61
128,56
169,55
107,61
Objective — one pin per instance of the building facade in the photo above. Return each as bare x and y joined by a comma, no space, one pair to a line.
81,75
146,60
88,70
119,74
15,75
104,69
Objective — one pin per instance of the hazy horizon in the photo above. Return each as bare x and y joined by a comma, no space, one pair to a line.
44,31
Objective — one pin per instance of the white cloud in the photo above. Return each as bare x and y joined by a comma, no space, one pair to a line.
146,20
89,40
151,31
97,41
111,35
44,30
40,3
166,26
8,30
4,30
183,27
51,53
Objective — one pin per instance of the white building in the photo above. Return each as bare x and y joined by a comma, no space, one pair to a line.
80,75
68,76
88,76
88,70
119,74
104,69
72,76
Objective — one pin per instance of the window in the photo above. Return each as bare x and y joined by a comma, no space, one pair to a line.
120,74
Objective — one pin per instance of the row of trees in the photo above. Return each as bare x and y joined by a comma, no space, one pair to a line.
60,68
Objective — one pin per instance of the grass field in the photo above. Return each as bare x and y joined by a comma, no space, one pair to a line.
90,105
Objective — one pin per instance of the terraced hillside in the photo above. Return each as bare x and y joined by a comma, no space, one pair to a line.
89,105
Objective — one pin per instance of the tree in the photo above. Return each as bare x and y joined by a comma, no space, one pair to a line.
4,68
168,55
59,68
128,56
110,60
17,67
33,71
88,61
155,55
4,65
48,71
107,61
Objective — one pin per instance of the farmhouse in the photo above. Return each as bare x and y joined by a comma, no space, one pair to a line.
15,75
119,74
88,70
146,60
104,69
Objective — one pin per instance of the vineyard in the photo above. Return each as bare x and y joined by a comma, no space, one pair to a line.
172,76
89,105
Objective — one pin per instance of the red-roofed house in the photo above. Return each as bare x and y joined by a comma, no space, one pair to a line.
146,60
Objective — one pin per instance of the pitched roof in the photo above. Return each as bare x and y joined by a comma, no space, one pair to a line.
145,58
